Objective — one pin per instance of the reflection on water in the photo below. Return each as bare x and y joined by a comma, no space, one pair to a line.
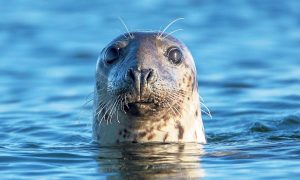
247,57
152,161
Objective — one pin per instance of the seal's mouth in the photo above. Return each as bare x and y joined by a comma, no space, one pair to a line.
142,102
141,107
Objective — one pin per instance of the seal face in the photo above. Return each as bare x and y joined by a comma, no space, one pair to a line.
146,91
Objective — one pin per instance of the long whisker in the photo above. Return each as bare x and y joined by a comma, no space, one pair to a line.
119,101
201,98
87,102
106,111
109,115
130,35
89,97
178,110
208,111
100,111
126,102
158,32
160,35
102,105
178,95
175,102
110,111
171,33
170,107
183,108
113,109
123,104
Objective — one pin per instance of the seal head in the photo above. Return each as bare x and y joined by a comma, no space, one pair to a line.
146,87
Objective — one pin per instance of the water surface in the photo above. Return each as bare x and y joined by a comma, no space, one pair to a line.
247,55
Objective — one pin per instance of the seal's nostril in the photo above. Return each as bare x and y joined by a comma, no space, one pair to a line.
140,77
149,76
130,75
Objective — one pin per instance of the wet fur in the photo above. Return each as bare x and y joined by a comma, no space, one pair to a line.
178,118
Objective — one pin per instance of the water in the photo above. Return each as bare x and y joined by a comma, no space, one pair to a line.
247,55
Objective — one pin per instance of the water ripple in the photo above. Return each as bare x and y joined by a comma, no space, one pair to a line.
246,54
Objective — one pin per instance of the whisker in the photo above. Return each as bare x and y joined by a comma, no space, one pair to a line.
109,115
126,102
178,110
174,120
122,105
130,35
171,33
158,33
201,98
170,107
106,111
87,102
103,108
182,94
208,111
113,109
183,108
175,102
110,110
120,99
98,110
169,26
87,98
179,94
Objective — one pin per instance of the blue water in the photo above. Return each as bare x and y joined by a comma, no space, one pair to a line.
248,61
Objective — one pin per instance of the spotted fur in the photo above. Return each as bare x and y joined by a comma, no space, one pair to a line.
176,116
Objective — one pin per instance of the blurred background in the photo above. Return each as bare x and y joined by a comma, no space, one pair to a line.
247,56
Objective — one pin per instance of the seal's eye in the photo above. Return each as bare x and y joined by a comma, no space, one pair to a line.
174,55
112,54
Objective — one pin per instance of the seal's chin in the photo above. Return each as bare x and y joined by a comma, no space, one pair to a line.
141,108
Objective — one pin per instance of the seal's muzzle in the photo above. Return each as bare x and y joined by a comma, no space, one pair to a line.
139,101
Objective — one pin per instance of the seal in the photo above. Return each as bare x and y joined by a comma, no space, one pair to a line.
146,91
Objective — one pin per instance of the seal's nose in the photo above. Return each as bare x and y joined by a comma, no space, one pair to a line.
141,78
